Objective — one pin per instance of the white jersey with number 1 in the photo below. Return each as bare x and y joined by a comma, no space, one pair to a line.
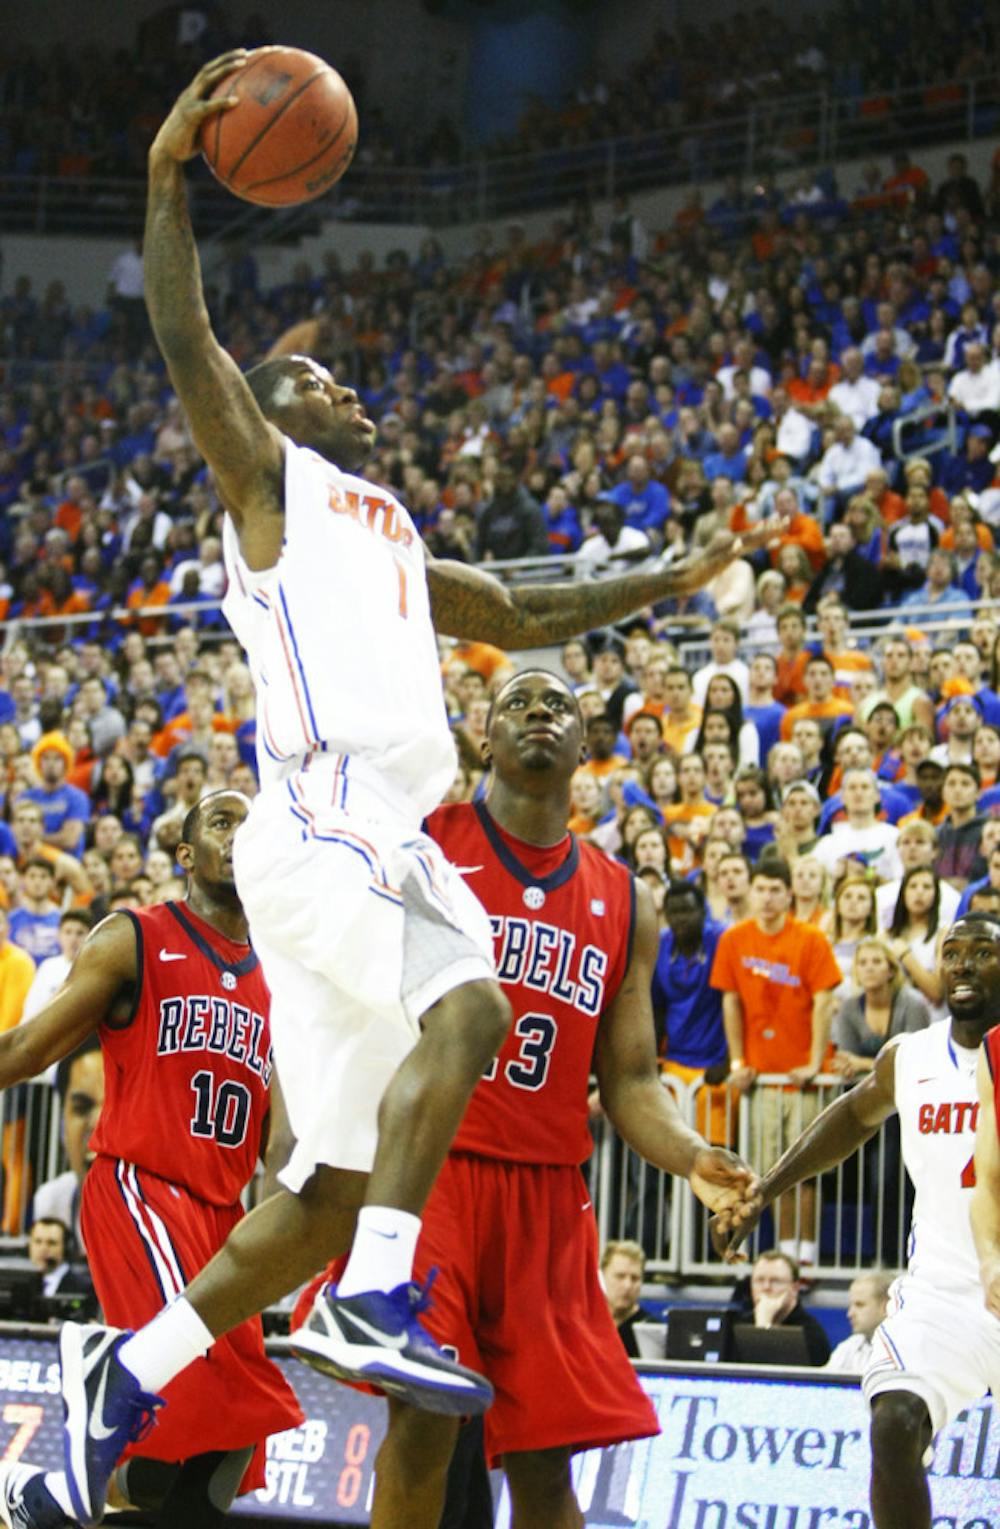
936,1100
339,638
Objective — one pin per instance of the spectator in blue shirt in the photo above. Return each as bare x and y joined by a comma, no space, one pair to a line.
730,461
65,808
34,925
940,589
972,468
645,502
688,1010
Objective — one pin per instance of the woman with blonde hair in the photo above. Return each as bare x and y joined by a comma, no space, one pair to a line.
810,890
883,1005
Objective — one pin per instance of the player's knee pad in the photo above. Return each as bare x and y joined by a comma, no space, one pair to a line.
204,1489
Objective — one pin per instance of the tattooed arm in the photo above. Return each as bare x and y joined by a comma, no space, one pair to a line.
468,603
243,450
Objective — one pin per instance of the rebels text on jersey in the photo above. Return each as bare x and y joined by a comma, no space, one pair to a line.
188,1071
562,922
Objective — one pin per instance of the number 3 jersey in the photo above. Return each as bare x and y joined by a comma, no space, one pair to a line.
562,920
187,1072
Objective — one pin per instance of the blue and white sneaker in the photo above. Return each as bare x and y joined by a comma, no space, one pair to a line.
105,1409
25,1500
377,1338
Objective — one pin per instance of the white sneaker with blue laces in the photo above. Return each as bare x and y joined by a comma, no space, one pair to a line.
375,1337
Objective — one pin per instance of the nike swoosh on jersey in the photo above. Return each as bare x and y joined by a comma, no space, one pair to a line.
96,1426
468,870
172,955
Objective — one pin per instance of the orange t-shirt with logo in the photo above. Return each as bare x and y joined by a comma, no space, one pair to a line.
776,977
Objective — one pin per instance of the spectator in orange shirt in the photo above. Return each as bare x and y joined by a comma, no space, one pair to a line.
69,514
790,684
198,722
908,183
809,393
150,588
801,530
601,735
820,704
890,505
682,716
777,977
682,818
834,626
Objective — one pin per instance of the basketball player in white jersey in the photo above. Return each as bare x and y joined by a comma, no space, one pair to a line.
938,1349
385,1008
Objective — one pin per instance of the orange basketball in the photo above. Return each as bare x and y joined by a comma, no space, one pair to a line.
292,135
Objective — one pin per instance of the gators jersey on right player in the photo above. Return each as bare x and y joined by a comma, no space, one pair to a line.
189,1071
563,920
935,1090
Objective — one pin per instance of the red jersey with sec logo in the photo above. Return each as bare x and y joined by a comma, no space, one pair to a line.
991,1042
186,1075
563,920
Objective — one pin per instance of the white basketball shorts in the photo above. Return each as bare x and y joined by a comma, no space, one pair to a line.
361,925
943,1346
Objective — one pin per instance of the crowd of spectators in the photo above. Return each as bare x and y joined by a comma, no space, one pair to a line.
607,391
77,113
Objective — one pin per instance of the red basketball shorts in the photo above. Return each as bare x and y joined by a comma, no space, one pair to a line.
146,1238
518,1295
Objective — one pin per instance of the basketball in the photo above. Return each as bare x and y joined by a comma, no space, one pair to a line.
292,135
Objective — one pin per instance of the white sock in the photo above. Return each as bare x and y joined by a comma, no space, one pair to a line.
166,1346
807,1252
382,1251
55,1482
790,1246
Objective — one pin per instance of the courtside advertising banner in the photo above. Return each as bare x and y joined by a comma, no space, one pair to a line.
737,1451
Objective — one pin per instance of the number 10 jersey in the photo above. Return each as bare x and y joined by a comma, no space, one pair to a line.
187,1072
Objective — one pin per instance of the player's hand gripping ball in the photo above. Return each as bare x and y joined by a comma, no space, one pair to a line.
292,133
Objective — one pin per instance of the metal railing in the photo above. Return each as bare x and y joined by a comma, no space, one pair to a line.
30,1150
817,128
861,1208
944,439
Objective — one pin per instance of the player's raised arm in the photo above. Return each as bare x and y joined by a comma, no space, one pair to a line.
836,1133
243,450
465,602
642,1111
986,1194
100,981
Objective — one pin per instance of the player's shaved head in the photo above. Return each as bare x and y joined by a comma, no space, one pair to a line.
523,675
272,383
195,818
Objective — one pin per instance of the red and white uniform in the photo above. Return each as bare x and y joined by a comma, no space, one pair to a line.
186,1098
938,1340
508,1223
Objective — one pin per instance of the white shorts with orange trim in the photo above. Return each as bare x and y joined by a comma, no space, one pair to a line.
361,926
941,1345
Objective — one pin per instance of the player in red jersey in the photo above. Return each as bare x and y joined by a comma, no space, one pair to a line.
986,1195
509,1223
179,1004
